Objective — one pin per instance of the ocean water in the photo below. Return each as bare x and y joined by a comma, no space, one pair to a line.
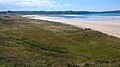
95,16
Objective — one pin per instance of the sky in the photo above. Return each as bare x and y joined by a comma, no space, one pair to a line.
59,5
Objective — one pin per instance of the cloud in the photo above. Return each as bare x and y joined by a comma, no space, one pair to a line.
35,3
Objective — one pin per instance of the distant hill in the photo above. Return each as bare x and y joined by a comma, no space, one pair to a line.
45,12
54,12
116,11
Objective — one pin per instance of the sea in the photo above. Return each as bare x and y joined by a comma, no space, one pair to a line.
94,16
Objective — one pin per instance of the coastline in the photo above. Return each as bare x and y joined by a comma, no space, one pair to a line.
54,43
111,27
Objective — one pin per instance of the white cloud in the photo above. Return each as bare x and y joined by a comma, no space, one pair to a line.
37,3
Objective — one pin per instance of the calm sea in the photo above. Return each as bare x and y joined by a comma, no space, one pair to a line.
95,16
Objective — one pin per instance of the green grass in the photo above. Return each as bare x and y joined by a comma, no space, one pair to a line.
37,43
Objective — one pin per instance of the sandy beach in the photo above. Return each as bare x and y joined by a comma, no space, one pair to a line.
110,27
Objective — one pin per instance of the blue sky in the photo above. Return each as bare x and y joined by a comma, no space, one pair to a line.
50,5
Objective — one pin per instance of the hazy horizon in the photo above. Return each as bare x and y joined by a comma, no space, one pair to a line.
58,10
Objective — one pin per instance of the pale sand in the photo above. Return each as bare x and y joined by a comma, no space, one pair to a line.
110,27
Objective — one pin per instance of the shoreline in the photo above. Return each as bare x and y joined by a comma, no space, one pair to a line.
111,27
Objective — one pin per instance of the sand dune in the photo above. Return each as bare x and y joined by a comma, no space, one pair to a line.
111,27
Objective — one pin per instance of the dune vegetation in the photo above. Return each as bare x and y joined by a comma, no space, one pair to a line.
37,43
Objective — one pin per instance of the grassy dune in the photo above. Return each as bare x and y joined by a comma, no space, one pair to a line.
37,43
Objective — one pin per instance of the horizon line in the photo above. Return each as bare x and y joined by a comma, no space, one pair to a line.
58,10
